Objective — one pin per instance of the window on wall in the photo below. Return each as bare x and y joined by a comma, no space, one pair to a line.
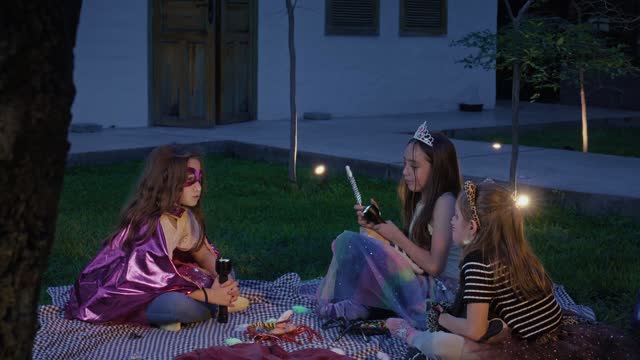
352,17
423,17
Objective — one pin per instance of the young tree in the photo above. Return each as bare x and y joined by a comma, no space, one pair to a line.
516,21
516,47
543,52
585,54
293,142
36,92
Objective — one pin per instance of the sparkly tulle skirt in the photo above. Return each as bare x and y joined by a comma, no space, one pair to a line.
366,273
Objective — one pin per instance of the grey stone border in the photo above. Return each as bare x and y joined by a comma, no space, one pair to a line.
583,203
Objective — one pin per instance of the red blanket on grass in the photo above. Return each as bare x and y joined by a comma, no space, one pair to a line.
256,351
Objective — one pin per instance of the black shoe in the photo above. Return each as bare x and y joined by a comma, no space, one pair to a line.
333,323
380,314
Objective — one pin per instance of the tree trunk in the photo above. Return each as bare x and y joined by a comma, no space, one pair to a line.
36,92
293,143
583,108
515,113
515,94
583,97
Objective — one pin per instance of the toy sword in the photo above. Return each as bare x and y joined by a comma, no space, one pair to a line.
354,186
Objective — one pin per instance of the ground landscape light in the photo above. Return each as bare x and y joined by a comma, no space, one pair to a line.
320,170
522,200
497,145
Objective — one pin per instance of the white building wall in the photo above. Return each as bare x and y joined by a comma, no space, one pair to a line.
111,64
343,75
369,75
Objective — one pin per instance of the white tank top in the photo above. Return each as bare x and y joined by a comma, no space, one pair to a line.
451,269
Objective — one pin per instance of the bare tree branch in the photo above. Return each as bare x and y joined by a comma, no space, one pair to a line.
616,17
578,10
524,9
506,2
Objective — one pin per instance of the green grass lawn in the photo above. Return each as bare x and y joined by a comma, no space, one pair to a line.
268,229
614,141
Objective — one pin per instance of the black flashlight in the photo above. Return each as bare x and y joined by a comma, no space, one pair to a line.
223,268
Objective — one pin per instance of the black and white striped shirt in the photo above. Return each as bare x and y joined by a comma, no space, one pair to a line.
527,319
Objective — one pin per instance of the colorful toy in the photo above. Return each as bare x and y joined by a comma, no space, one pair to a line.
299,309
282,329
232,341
241,304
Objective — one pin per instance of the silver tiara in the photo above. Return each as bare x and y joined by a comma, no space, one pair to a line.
422,134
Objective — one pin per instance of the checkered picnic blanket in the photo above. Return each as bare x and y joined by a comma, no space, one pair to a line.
59,338
566,302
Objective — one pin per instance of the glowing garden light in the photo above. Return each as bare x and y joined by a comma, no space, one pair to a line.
320,170
496,146
522,200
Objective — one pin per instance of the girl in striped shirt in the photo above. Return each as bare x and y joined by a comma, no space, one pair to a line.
500,278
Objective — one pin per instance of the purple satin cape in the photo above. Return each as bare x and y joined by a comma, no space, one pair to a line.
117,286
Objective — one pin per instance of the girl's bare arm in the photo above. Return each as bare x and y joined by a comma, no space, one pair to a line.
205,258
474,326
433,261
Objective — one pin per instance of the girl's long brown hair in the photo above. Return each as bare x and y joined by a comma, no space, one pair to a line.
500,238
444,177
158,191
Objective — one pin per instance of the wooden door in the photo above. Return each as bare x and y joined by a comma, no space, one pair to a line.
237,57
183,58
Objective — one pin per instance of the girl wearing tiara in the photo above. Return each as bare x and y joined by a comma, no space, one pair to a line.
501,279
159,267
367,275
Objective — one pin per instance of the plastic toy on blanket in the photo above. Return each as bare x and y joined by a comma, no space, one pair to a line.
281,329
241,304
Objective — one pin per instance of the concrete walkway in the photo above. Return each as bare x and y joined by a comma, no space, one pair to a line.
382,140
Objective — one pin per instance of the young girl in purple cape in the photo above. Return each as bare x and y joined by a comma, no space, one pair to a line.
159,267
367,275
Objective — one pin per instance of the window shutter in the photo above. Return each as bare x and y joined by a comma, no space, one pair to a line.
352,17
423,17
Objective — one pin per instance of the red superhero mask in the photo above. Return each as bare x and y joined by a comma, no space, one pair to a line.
193,176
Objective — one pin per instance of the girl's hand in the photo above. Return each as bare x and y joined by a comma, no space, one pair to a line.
232,288
388,230
361,220
440,310
223,294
